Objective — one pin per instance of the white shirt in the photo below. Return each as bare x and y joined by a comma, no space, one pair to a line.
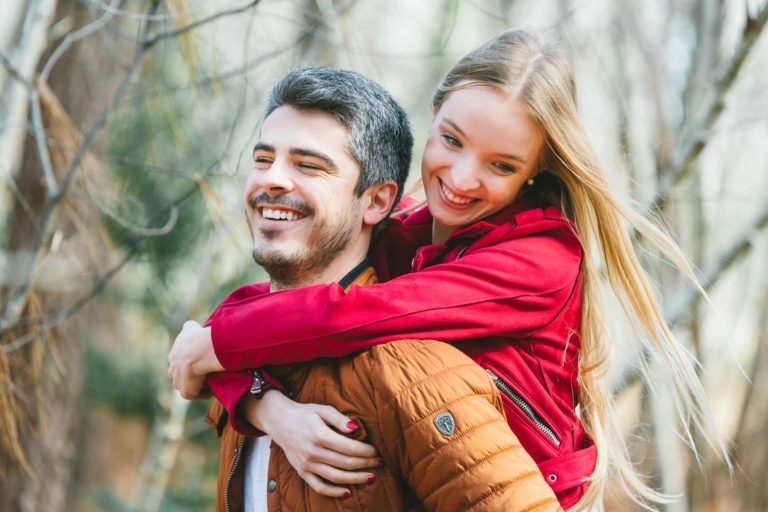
256,469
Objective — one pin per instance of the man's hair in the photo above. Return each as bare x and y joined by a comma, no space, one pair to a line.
380,138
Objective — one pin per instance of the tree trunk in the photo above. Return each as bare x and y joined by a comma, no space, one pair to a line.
40,371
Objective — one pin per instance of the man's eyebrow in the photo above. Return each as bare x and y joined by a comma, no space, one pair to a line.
510,156
261,146
314,154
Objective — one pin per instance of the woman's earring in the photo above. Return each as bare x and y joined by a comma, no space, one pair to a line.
530,182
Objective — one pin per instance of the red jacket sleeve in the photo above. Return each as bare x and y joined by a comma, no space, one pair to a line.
230,387
510,289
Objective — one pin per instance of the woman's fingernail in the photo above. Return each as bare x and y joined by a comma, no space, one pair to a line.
347,494
352,425
380,463
371,479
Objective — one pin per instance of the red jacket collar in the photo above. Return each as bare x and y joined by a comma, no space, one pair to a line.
420,221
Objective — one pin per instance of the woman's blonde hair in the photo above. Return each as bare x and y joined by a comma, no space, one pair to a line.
540,78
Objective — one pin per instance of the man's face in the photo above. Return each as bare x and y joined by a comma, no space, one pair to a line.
300,198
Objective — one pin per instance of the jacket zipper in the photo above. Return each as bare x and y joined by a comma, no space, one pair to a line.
461,251
525,407
238,456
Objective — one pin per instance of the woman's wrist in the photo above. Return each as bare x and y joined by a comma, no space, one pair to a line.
259,410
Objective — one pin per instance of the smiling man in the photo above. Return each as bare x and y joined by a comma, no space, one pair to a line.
404,425
302,230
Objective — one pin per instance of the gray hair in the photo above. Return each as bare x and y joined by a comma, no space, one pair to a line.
380,138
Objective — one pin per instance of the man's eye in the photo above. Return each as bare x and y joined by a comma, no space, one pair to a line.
307,165
453,141
262,160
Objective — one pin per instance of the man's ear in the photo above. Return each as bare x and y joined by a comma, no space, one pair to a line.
379,201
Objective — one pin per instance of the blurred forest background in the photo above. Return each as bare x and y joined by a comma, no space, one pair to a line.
125,135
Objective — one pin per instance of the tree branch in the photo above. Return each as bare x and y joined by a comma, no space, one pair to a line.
44,323
710,276
17,299
186,28
15,73
681,164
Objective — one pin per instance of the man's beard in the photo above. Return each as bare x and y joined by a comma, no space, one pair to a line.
326,240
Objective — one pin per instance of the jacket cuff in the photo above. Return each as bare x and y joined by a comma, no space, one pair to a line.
229,388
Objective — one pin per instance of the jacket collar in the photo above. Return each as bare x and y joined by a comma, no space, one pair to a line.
422,219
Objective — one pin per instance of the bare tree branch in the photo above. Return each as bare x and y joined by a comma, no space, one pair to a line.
44,323
73,37
681,164
15,73
17,299
710,276
186,28
22,65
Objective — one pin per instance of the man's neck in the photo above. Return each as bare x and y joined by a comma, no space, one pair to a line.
334,273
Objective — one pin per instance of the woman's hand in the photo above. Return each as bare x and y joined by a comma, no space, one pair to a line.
191,359
309,434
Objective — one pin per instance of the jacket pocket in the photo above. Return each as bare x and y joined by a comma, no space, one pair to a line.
525,408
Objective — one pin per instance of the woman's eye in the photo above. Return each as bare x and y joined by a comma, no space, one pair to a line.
305,165
262,161
453,141
505,168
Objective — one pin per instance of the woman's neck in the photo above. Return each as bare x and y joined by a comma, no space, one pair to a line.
441,232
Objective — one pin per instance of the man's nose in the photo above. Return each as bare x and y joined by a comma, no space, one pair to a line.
276,179
464,174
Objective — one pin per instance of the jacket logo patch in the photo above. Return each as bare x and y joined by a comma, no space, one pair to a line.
445,423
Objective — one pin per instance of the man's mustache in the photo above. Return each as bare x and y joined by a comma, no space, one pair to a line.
263,200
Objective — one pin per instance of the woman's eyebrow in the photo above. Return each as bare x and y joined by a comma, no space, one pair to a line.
510,156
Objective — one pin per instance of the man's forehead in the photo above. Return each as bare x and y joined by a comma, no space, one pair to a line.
288,128
288,117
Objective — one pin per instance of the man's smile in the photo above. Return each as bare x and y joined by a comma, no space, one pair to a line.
280,213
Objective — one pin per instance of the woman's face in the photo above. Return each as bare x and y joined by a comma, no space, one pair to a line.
482,148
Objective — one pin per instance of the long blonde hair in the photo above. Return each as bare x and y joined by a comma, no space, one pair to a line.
540,78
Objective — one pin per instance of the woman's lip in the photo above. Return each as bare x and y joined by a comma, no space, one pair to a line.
457,206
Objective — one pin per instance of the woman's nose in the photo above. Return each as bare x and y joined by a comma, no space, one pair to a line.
464,175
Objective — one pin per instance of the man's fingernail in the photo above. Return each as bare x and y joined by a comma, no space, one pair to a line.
352,425
371,479
347,494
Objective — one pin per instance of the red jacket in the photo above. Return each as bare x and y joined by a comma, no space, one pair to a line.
511,283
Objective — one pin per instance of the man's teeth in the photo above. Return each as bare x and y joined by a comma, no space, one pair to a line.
271,214
454,198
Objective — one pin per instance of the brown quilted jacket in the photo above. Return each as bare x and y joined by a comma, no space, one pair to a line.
434,416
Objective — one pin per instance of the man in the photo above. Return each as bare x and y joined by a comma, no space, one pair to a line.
332,157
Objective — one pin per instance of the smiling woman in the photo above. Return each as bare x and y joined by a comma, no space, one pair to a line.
482,148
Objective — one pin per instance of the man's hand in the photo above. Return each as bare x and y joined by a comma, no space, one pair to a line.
309,436
191,359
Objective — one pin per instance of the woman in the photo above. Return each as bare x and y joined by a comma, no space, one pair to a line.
520,220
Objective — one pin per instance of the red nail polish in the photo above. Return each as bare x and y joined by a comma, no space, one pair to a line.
347,494
380,464
352,425
371,479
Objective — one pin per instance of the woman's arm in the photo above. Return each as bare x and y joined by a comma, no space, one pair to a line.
311,435
511,289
